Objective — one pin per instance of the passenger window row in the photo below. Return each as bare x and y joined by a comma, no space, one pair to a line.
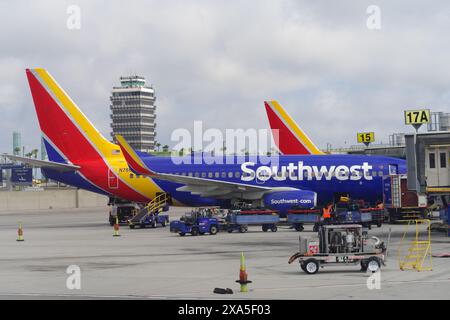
237,174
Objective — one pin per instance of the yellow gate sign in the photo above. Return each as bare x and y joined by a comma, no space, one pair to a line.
415,117
365,137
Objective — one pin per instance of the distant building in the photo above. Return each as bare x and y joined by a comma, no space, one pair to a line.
17,143
440,121
133,113
397,139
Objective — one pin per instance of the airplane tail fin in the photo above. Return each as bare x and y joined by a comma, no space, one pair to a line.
290,139
133,159
68,134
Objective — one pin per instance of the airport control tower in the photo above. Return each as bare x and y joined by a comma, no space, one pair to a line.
133,113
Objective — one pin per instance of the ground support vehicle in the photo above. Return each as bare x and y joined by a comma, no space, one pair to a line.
152,220
196,222
357,212
240,220
377,215
122,211
297,218
150,215
339,245
401,203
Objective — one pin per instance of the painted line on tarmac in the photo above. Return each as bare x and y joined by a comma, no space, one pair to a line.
93,296
352,285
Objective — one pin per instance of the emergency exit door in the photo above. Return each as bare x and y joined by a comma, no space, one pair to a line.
437,166
113,179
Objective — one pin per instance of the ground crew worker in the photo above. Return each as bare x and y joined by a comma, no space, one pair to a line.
326,215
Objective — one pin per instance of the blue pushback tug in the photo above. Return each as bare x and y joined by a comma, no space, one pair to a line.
196,222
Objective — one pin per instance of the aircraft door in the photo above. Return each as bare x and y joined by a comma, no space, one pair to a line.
443,166
113,179
432,167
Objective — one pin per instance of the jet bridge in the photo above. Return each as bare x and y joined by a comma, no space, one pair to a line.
428,164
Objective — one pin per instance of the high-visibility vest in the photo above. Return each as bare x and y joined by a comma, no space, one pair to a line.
327,212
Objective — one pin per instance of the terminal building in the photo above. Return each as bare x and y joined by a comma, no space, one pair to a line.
133,113
440,122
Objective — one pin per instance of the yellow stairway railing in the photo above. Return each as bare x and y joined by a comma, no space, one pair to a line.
416,254
153,207
157,204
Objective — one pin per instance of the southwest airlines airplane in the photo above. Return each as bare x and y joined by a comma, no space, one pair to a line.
80,156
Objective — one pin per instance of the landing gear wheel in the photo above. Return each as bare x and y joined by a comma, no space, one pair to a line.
299,227
373,264
311,266
194,232
274,228
243,229
213,230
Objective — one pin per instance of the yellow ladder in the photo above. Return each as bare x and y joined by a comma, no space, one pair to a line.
153,207
157,204
418,251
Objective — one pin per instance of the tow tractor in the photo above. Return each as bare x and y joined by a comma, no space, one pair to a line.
199,221
340,245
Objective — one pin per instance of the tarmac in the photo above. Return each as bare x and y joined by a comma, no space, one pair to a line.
157,264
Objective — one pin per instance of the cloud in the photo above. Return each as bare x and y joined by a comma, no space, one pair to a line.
217,61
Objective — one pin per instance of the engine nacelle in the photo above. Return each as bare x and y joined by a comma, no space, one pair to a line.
285,200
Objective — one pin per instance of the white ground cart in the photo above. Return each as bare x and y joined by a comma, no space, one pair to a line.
340,245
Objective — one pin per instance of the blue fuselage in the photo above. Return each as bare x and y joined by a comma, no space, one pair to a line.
328,175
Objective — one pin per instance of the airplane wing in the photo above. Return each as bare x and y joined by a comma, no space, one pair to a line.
213,188
195,185
62,167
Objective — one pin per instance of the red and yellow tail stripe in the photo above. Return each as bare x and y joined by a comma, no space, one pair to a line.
134,161
288,136
65,125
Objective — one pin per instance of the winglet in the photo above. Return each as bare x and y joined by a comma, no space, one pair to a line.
289,137
134,161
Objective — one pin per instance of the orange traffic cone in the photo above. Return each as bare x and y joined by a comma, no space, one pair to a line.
116,228
243,275
20,233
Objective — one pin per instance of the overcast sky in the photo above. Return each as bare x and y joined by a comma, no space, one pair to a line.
217,61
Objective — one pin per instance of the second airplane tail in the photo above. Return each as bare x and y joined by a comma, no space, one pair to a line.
288,136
